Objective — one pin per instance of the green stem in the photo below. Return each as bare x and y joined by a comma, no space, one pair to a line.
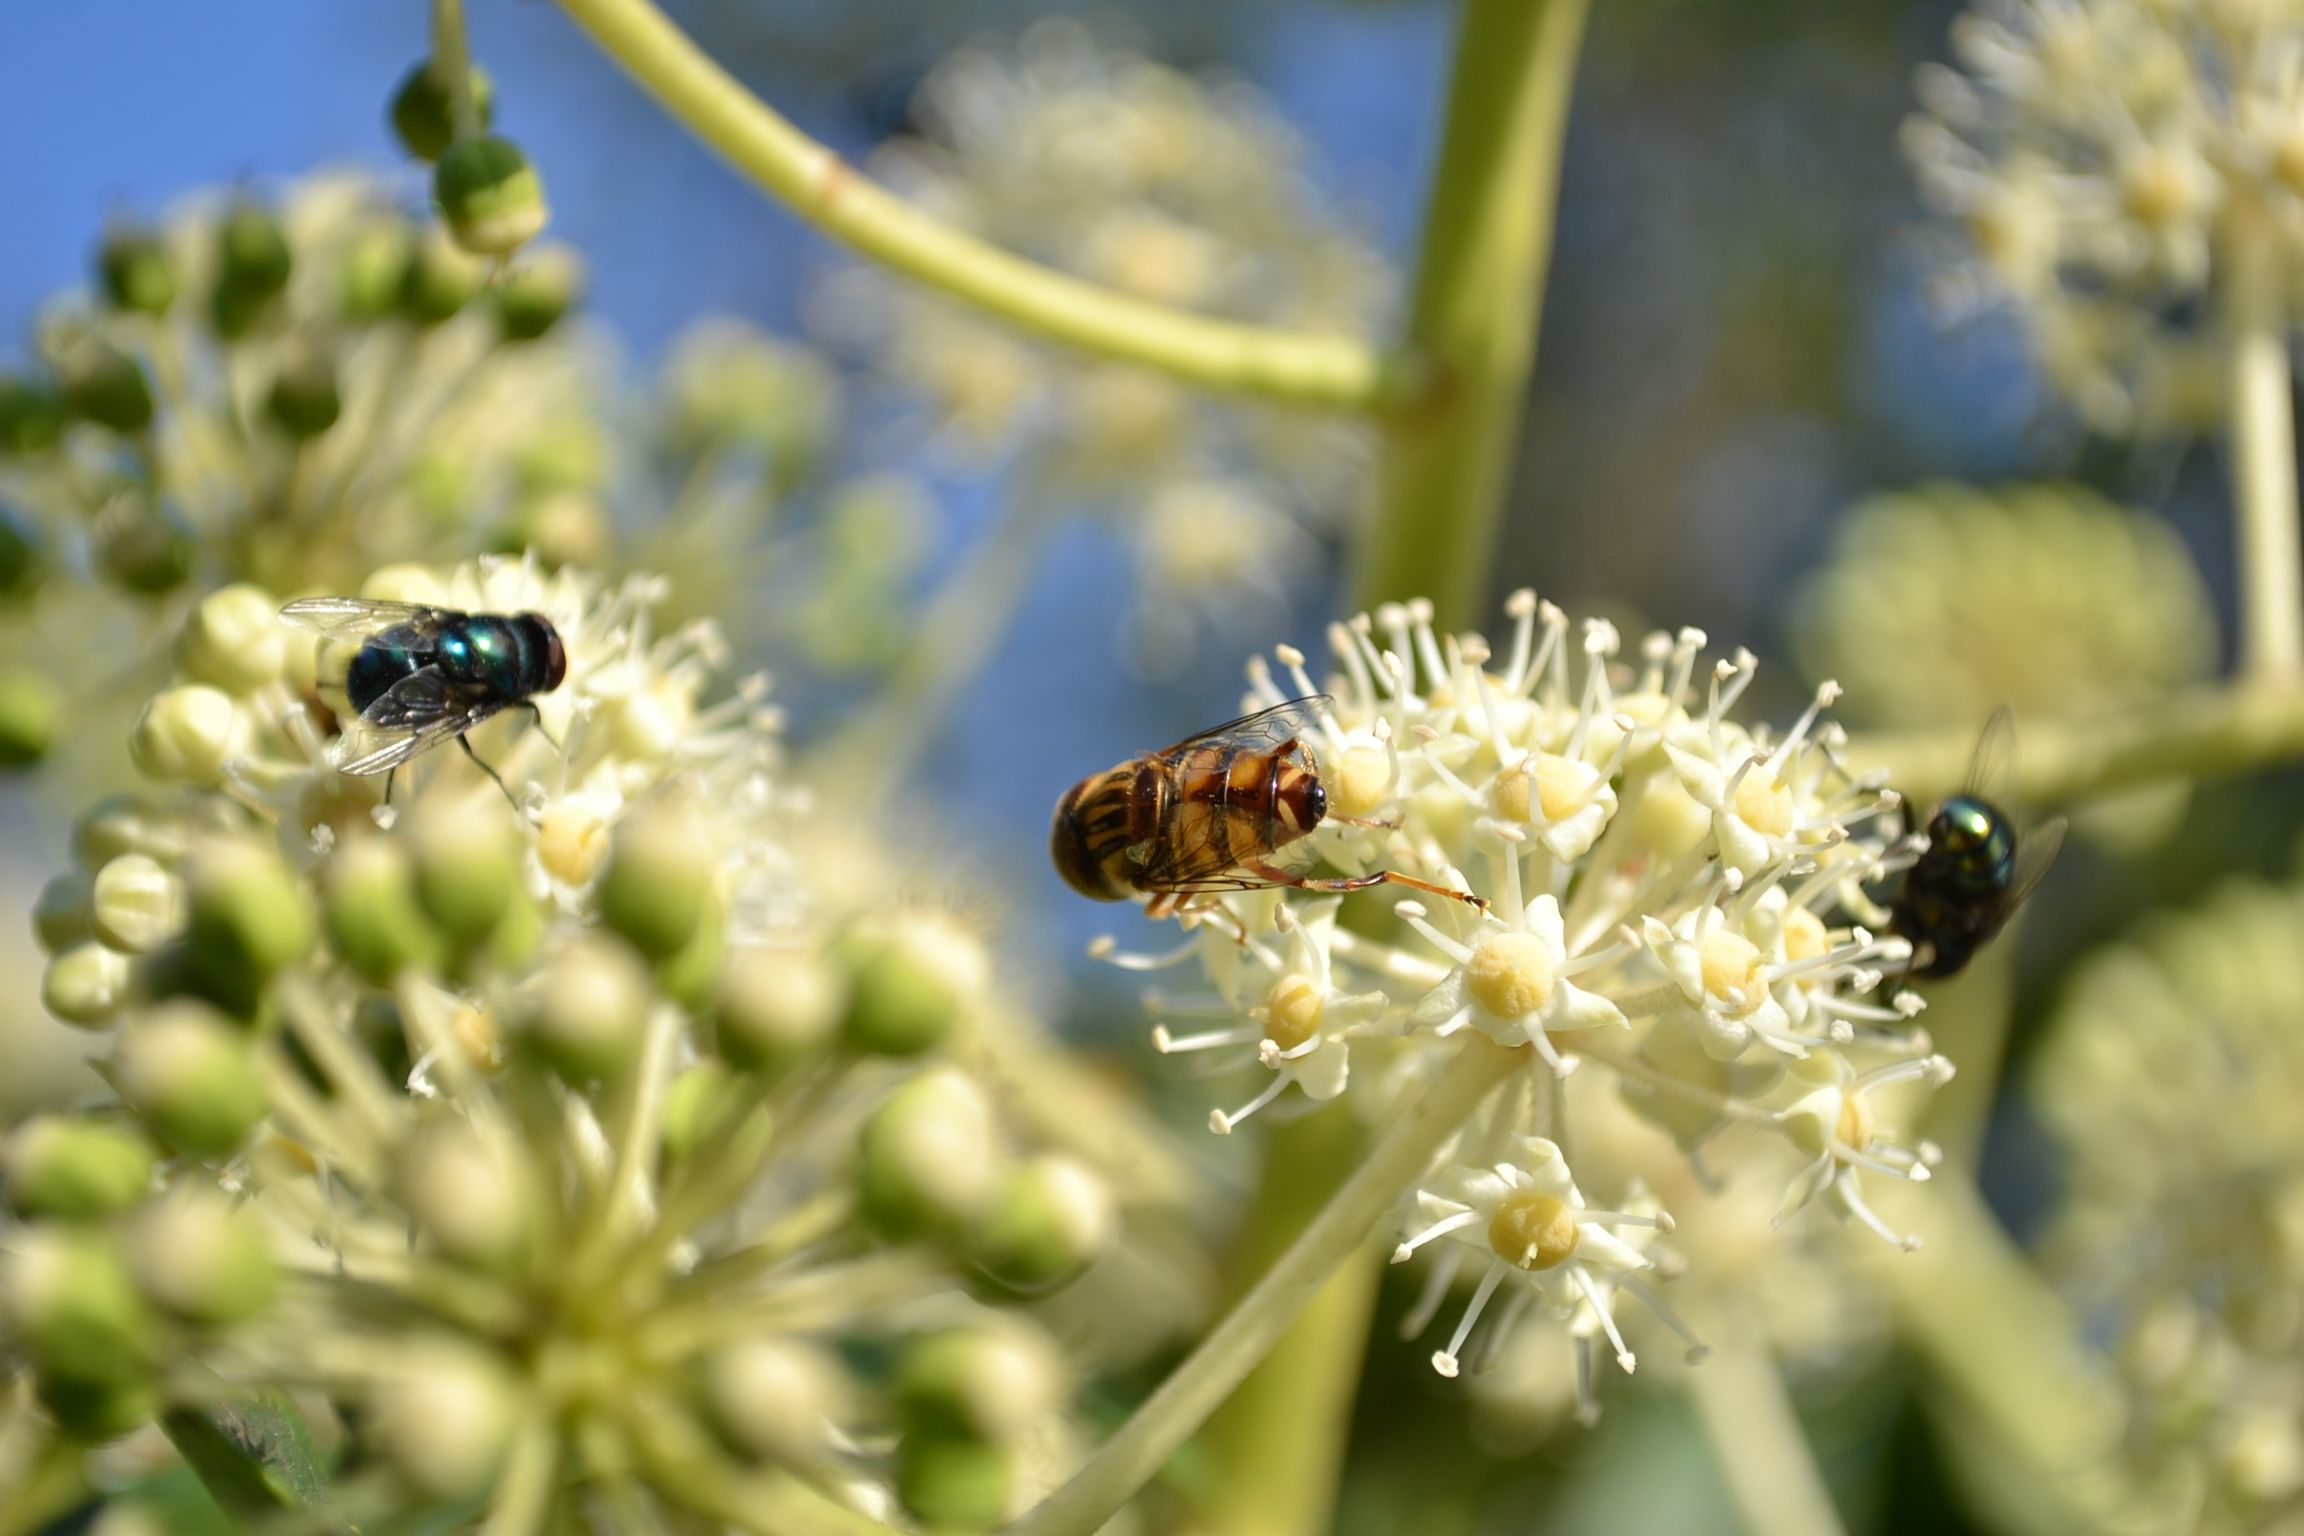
1309,368
1401,1155
453,60
1479,292
1757,1440
2264,461
254,1458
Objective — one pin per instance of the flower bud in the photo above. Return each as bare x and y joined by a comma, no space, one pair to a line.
447,1421
190,1076
373,272
467,867
71,1304
691,977
23,556
490,196
439,280
197,1257
252,256
97,1410
532,297
774,1398
249,919
658,880
30,710
990,1381
186,734
955,1484
589,1008
137,272
85,985
145,549
137,904
697,1103
374,918
929,1156
468,1190
1050,1219
909,981
31,417
65,913
104,385
729,384
423,108
776,1006
233,640
304,400
76,1169
119,824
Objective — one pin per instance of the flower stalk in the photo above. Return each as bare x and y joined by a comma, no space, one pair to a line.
2264,464
453,57
1748,1417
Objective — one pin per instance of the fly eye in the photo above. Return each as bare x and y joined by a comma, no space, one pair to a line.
1317,800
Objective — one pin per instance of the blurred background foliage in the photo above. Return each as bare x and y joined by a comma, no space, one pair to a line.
1748,415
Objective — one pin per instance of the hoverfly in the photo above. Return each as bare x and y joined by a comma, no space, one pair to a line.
424,674
1976,871
1207,814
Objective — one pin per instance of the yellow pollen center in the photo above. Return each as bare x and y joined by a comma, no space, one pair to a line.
1560,785
1534,1231
1732,971
1510,974
1855,1127
475,1030
1293,1012
1360,781
570,841
1763,804
1804,939
2157,189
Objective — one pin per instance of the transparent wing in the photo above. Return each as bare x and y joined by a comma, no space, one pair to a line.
421,710
1260,732
1992,770
357,615
2035,851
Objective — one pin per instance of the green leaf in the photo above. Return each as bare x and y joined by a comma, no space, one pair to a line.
254,1458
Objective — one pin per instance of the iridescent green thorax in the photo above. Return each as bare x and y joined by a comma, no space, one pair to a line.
1974,844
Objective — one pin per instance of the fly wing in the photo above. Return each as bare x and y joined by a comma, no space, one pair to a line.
1266,730
2035,851
1992,769
356,616
421,710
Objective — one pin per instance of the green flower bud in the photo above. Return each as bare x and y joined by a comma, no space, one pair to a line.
467,867
929,1156
65,913
490,196
31,708
697,1103
190,1076
374,918
137,904
23,556
234,640
518,935
955,1484
252,255
775,1399
71,1303
691,978
589,1009
658,880
1051,1218
995,1380
104,385
186,735
235,313
194,1255
532,297
775,1007
31,417
137,272
119,824
567,454
447,1422
439,280
909,981
76,1169
374,273
304,400
85,985
97,1410
469,1190
730,384
145,549
249,920
423,111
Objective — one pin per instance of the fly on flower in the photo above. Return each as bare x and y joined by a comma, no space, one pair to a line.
423,674
1209,814
1975,871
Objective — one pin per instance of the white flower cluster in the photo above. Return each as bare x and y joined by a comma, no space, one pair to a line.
2119,164
1671,897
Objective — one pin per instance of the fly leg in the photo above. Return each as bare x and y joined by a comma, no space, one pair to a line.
492,773
389,775
1266,871
532,708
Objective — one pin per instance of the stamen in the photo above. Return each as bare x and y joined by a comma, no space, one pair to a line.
1438,1229
1845,1190
1624,1356
1445,1360
1214,1039
1222,1123
1698,1350
1436,1284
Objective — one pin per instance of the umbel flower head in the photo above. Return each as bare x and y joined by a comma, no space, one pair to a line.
2131,176
1672,898
565,1146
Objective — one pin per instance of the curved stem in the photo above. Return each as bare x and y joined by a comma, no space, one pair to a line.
453,60
822,188
1479,292
1192,1391
2271,552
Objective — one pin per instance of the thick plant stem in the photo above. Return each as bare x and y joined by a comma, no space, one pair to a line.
2264,465
453,59
1399,1157
1756,1438
1312,369
1479,291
